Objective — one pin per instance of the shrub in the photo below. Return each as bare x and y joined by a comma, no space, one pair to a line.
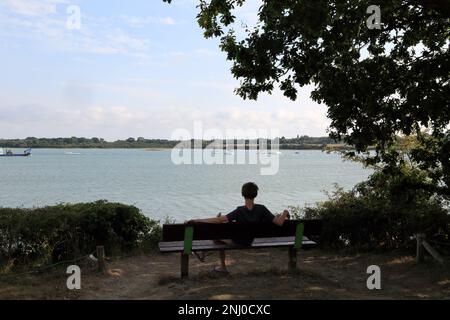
66,231
386,211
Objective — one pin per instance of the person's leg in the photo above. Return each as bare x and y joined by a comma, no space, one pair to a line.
223,265
222,255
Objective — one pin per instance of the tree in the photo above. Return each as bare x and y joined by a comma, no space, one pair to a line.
376,83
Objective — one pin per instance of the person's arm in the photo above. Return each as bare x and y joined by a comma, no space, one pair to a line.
215,220
279,219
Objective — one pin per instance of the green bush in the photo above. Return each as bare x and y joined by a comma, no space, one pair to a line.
386,211
67,231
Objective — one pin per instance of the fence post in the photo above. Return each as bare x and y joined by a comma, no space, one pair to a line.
101,259
420,250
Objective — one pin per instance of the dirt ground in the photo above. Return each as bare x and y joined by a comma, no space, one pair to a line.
254,274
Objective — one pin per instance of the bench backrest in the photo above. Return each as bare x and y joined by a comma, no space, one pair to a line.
203,231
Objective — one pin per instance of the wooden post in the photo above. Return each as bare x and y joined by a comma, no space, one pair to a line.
188,237
419,250
292,266
101,259
184,265
433,252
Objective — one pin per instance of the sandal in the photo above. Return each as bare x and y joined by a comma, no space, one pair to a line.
200,256
219,270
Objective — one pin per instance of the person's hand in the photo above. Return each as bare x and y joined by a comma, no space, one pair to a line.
288,216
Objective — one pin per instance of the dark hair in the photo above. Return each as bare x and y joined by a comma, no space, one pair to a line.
249,190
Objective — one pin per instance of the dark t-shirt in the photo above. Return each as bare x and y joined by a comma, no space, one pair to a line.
259,213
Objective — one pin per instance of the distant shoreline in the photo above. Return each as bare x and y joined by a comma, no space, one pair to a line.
298,143
330,147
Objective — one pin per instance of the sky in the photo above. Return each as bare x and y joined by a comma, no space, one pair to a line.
135,68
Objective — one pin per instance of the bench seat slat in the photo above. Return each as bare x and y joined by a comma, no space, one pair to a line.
210,245
207,242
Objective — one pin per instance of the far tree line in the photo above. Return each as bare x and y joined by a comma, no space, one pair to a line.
300,142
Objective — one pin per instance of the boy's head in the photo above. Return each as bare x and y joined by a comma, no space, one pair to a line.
249,190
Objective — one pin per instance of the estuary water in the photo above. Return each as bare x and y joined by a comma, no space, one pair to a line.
152,182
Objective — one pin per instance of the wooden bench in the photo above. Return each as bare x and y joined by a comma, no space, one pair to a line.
186,238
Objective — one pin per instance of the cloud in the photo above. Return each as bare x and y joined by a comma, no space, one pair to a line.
97,36
33,7
125,42
156,120
138,22
208,52
289,120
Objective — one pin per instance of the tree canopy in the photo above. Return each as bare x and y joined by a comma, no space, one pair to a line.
376,82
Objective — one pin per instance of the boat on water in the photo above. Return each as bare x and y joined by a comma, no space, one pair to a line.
10,153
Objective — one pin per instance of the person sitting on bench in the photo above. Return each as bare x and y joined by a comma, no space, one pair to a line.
248,213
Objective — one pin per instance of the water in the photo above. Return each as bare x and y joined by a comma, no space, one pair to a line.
149,180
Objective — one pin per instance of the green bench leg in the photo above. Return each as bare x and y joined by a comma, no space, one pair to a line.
184,265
